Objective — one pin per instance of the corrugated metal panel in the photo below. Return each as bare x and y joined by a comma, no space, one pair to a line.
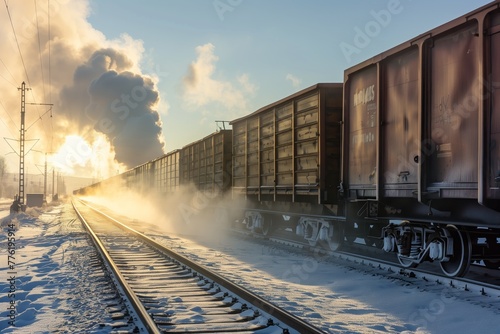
308,132
167,173
207,163
306,147
284,138
282,150
284,124
239,157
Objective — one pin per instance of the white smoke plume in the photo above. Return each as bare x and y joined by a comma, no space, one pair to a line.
96,87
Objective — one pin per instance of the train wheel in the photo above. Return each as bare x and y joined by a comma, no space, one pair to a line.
256,222
459,262
267,225
335,239
405,262
248,222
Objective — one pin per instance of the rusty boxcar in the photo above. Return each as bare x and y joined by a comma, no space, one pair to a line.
286,158
290,150
421,143
207,163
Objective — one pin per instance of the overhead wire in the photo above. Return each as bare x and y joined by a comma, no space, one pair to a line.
17,42
39,48
50,82
9,127
12,123
43,77
11,119
43,82
24,65
48,44
25,69
10,82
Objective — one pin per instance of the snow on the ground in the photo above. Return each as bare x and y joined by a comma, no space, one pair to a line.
4,207
54,292
59,283
338,297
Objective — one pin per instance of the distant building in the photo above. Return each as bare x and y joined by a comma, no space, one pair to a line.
33,184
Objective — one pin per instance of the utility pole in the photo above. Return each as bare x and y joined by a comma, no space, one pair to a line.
22,139
45,176
53,182
45,181
21,144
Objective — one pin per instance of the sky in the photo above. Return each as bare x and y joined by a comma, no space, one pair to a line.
131,80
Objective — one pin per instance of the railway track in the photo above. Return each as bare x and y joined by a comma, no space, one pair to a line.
166,292
480,284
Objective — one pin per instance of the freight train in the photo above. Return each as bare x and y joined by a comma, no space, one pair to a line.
404,154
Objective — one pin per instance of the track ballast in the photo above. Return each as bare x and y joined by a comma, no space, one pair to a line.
169,293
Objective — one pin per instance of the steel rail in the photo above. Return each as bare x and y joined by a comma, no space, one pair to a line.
133,299
273,310
461,283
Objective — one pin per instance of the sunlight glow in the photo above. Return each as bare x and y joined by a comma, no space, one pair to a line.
78,157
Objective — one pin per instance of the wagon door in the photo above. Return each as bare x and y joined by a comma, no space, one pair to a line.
399,118
452,113
493,113
362,133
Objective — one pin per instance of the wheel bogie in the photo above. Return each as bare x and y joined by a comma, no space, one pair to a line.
258,223
416,243
320,231
452,247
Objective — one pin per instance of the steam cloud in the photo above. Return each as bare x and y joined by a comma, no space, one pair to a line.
96,84
119,105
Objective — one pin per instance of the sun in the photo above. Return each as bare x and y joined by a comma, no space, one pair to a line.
74,152
80,157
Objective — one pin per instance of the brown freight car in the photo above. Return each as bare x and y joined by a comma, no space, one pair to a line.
290,150
286,158
160,176
207,163
422,127
167,173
